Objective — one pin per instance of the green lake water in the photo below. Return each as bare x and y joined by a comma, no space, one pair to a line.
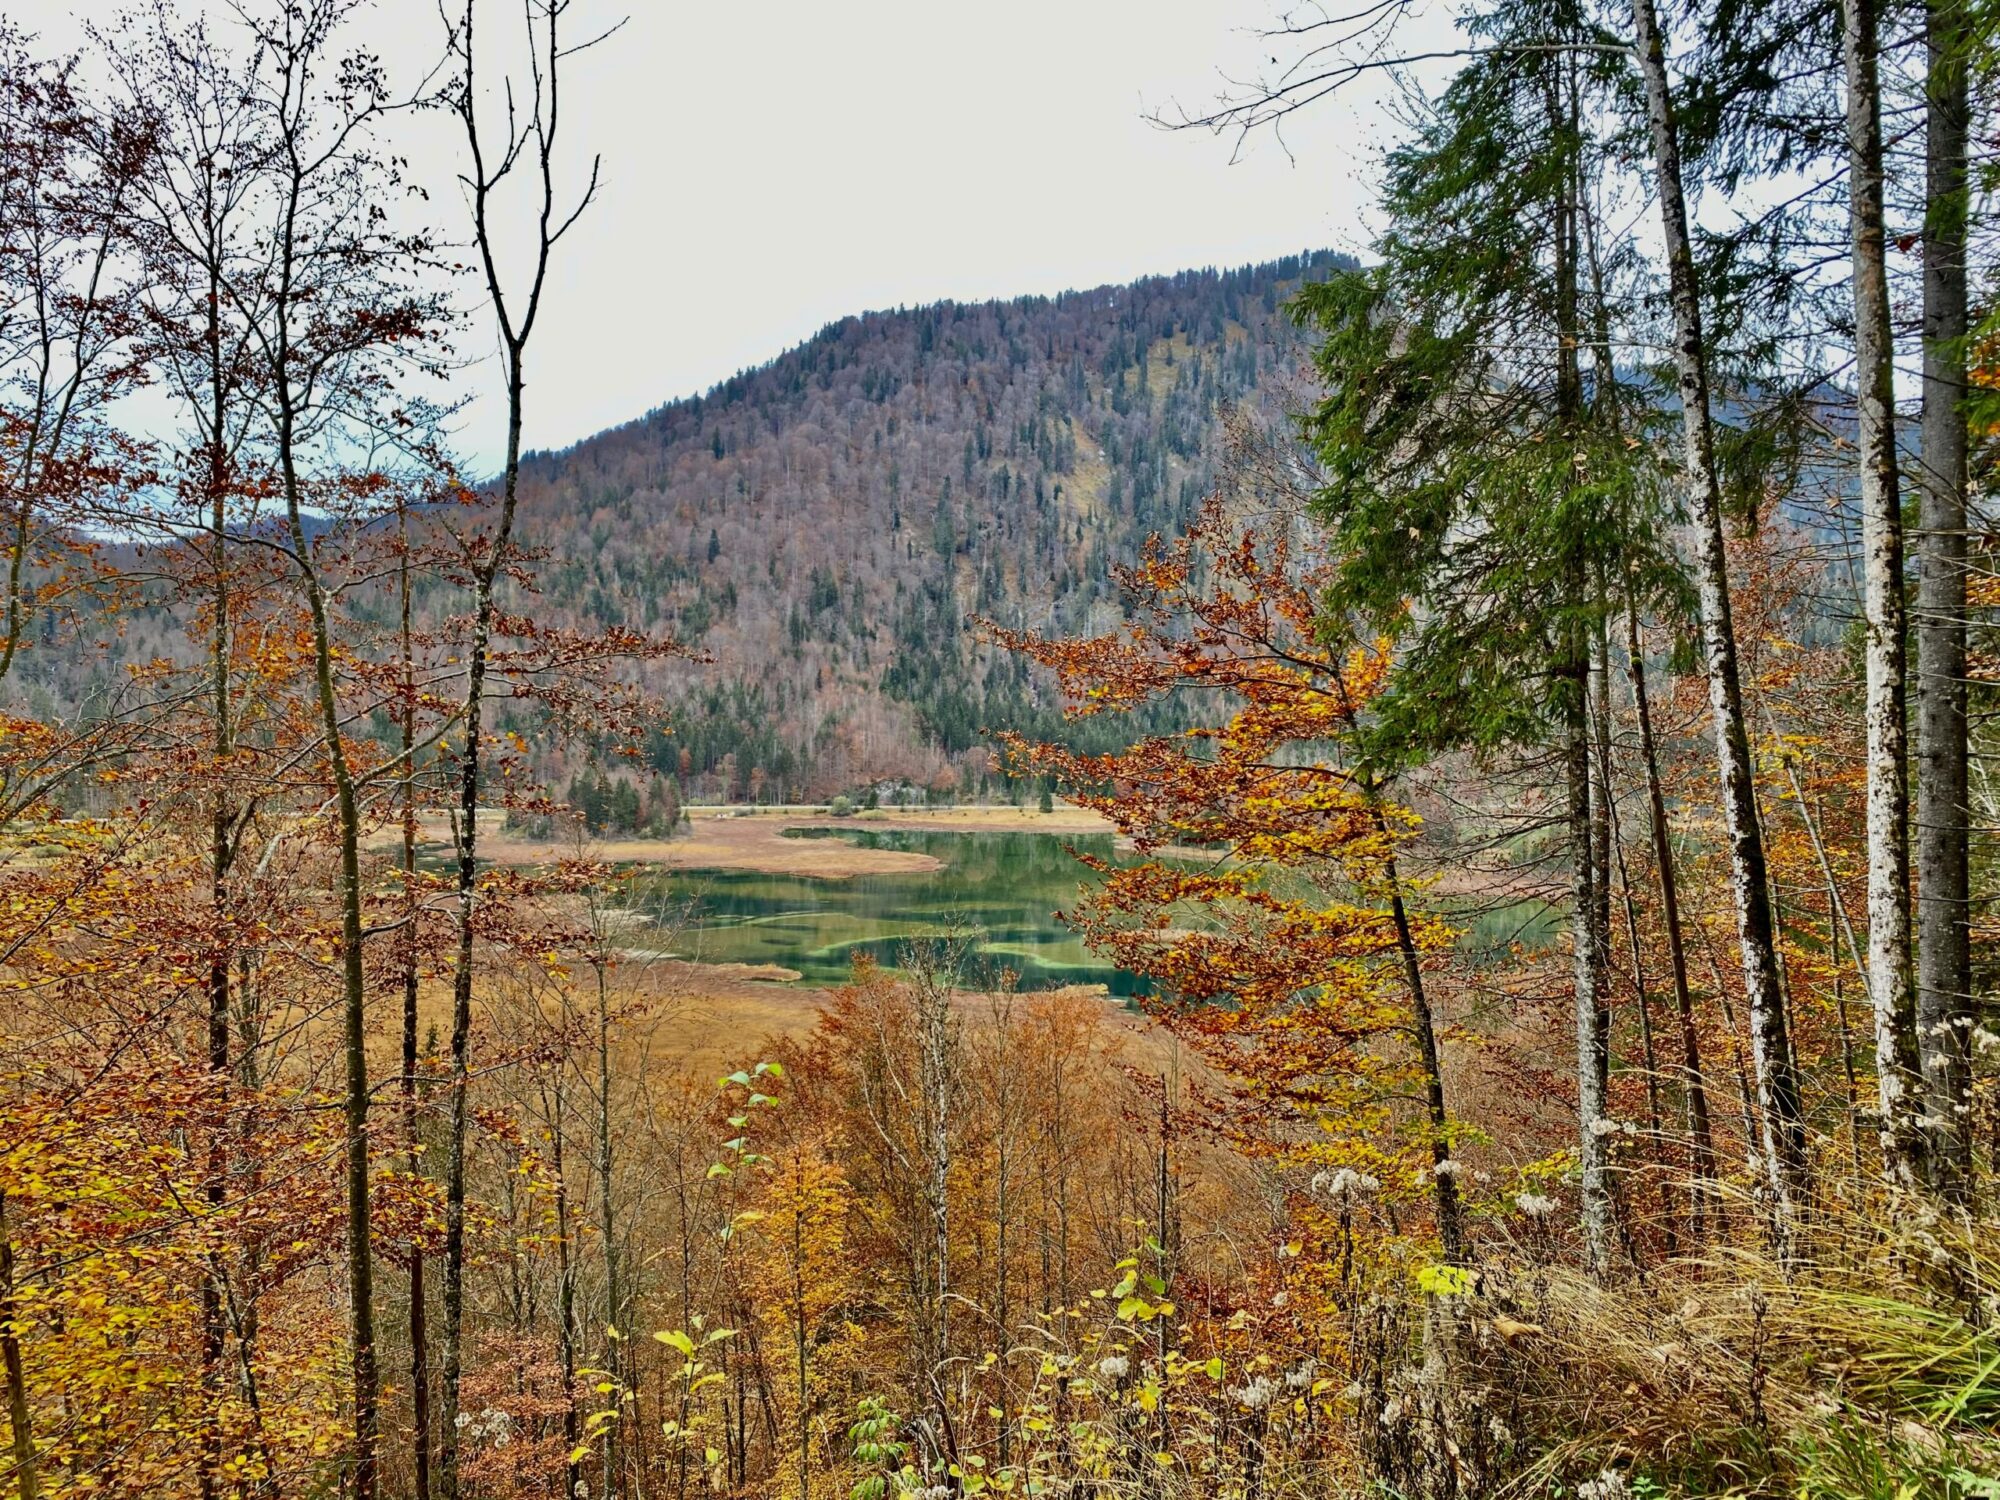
1001,890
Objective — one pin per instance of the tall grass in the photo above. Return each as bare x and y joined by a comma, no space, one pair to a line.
1866,1366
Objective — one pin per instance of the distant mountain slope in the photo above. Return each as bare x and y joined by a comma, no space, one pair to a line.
825,524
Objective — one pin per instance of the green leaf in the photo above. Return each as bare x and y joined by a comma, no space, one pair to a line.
1445,1281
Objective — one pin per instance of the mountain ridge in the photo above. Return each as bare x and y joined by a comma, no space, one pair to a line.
825,523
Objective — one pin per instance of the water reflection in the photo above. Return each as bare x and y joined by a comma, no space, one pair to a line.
1001,889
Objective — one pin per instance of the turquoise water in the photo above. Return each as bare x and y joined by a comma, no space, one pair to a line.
1000,889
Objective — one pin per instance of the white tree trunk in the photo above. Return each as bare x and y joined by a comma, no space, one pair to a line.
1783,1128
1882,586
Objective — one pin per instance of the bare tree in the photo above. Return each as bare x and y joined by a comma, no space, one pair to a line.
526,145
68,322
191,217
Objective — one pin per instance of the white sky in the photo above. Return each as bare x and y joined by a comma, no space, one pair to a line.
770,167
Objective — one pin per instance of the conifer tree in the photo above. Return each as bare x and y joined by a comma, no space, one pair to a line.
1783,1133
1478,495
1944,963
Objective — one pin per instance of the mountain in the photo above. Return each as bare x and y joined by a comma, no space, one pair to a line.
825,525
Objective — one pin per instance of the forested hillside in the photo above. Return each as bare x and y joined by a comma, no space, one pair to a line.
825,525
1534,773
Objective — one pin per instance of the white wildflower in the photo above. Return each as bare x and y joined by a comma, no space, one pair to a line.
1257,1393
1346,1183
494,1423
1535,1205
1116,1367
1300,1377
1448,1169
1610,1485
1603,1127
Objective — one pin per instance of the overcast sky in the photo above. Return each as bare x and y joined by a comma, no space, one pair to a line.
769,167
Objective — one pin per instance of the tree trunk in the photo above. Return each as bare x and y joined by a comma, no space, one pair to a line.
565,1287
1701,1135
221,844
467,818
27,1480
937,1064
1783,1124
1655,1134
222,849
1444,1186
1944,960
607,1207
1602,816
420,1359
1886,617
354,995
1571,676
1592,1060
801,1335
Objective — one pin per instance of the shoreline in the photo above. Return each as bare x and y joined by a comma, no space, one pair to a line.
753,839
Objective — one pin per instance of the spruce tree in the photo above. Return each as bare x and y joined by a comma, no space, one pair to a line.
1479,489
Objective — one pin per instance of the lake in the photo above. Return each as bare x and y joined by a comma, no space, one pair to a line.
1000,889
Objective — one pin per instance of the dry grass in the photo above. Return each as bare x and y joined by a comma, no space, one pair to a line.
753,839
1868,1367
